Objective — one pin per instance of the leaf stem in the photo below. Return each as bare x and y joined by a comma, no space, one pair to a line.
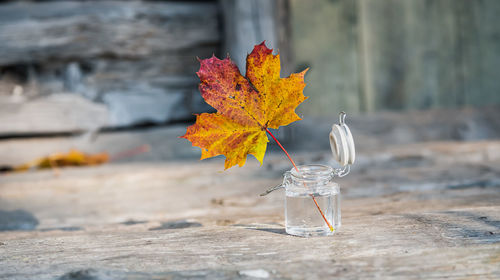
295,166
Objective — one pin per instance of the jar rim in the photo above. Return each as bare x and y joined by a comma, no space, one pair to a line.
312,171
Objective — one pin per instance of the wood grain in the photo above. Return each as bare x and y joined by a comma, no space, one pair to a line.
413,212
72,30
144,52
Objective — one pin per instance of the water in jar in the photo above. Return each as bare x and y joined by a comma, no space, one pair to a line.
302,217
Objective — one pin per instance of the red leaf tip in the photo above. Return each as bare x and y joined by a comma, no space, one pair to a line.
262,48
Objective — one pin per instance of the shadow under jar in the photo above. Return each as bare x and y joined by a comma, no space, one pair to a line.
302,217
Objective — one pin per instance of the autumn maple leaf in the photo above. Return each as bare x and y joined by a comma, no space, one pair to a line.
246,106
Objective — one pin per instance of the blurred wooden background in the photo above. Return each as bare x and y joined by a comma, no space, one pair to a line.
72,66
397,54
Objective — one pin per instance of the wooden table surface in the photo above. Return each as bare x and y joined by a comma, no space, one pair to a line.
422,211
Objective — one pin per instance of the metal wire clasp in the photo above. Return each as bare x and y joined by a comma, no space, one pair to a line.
341,172
286,181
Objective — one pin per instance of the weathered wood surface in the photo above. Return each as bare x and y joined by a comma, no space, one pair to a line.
418,211
54,113
138,58
70,30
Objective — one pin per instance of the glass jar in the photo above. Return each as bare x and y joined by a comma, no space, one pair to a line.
311,198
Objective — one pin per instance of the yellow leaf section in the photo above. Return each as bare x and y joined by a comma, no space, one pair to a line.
280,95
217,134
72,158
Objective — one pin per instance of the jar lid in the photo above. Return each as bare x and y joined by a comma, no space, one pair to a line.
342,143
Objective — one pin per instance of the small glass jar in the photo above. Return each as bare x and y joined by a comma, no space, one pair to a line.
311,198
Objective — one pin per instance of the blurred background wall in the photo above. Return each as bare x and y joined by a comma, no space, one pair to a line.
398,54
72,66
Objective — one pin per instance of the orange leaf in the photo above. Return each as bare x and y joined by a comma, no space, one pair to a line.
246,106
72,158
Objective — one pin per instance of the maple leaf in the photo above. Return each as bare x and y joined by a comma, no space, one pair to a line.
246,106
